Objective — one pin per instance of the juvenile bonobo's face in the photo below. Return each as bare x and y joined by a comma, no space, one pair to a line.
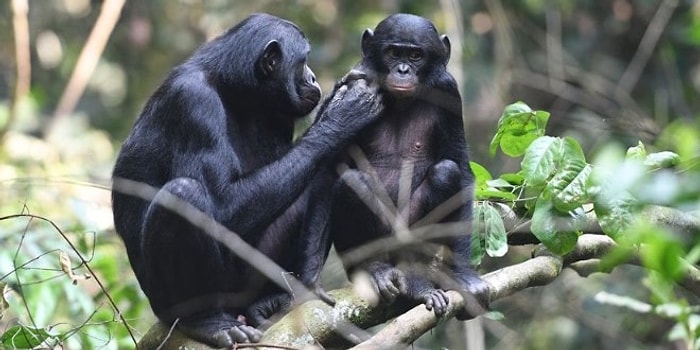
405,50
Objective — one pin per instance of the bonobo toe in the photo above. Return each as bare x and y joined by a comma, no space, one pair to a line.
245,334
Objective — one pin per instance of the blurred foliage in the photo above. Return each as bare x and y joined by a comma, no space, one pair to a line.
598,67
46,289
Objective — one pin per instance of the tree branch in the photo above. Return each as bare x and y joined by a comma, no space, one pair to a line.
87,62
314,322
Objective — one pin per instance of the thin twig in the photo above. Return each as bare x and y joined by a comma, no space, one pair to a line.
83,261
20,27
646,46
87,62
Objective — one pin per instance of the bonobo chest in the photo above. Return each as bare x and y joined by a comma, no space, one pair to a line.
401,137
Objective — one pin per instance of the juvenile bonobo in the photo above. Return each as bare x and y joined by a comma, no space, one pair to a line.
217,135
401,169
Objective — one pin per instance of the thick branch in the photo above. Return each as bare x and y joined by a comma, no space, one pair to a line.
317,323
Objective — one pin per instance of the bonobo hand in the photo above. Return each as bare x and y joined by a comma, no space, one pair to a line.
352,106
356,74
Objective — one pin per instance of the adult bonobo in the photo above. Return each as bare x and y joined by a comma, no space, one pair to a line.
408,175
217,135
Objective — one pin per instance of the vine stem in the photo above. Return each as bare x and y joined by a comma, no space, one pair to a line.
83,261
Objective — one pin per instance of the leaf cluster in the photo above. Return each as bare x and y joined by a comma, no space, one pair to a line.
557,189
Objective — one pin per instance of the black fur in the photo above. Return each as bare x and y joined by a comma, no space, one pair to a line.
420,136
217,134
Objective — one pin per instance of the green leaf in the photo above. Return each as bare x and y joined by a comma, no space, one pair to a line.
499,183
494,315
481,174
513,179
492,193
569,186
557,233
518,127
495,232
661,253
483,188
638,152
660,160
478,236
22,337
615,214
539,162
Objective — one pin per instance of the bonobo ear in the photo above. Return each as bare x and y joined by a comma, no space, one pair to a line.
270,58
366,38
448,47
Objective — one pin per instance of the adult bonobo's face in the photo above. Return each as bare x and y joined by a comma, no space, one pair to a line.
308,89
404,50
283,67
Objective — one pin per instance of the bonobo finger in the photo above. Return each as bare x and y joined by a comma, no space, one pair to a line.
399,280
324,296
391,290
387,290
428,301
238,335
359,84
440,302
354,75
340,93
256,318
254,335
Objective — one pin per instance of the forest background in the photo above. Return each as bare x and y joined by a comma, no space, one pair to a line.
609,72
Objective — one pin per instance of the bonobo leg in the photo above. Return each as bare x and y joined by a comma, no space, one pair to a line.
308,260
359,214
476,298
188,272
444,180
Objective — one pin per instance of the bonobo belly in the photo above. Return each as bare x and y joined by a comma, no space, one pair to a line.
398,176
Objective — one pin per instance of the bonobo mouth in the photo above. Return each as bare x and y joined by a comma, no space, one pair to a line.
401,90
308,105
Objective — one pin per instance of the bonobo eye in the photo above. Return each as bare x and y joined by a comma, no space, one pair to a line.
415,54
392,52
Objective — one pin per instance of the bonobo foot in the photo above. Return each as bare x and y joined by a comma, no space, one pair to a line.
475,292
260,312
434,299
220,330
389,281
392,282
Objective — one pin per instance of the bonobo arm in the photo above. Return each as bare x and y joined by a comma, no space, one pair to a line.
278,184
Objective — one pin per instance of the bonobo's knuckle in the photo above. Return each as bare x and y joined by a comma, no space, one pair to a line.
253,334
354,75
445,172
339,94
238,335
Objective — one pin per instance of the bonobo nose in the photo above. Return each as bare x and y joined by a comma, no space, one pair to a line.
404,69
